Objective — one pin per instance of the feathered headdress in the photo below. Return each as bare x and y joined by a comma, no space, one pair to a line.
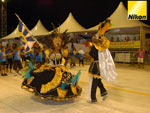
48,41
102,29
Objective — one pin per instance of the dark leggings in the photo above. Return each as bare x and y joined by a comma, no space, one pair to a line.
10,62
81,62
97,83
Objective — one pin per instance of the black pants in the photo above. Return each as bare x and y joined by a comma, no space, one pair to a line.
81,62
17,65
9,63
94,83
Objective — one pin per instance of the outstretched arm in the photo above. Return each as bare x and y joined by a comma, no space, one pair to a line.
89,57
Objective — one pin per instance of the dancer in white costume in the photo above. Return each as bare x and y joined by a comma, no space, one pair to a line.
102,65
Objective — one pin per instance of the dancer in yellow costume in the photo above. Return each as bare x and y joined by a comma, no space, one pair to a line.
53,80
102,65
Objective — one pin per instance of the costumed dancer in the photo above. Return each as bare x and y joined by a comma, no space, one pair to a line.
102,65
51,80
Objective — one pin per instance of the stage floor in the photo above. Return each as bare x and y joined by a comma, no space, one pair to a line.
130,93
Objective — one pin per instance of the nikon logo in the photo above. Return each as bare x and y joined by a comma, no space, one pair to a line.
137,10
137,17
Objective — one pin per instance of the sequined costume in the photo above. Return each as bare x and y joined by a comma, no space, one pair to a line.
53,80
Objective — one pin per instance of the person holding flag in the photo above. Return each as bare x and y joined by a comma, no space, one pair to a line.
51,80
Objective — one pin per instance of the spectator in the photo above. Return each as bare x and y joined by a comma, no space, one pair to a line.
3,61
73,58
112,39
17,60
9,58
117,39
139,38
125,39
81,56
134,39
38,58
128,39
141,54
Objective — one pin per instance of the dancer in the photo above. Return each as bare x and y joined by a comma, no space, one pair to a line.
53,80
102,65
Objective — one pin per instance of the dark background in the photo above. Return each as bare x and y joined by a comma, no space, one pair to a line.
87,12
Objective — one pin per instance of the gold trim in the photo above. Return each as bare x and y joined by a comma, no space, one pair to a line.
24,87
61,93
105,44
74,89
64,68
43,67
78,87
30,80
31,90
65,52
56,98
53,83
95,75
63,60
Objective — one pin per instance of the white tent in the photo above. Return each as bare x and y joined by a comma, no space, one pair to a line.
71,24
12,35
119,19
39,29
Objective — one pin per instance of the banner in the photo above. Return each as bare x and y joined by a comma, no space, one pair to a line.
129,44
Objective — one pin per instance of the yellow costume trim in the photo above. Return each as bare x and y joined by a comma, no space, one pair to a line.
63,61
31,90
24,87
64,68
51,97
47,67
61,93
95,76
30,80
90,44
74,89
78,87
105,44
65,52
53,83
104,29
43,67
47,52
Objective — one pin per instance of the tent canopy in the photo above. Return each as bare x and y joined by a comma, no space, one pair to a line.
119,19
39,29
71,24
12,35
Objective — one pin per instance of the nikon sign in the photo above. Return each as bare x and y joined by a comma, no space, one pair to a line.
137,10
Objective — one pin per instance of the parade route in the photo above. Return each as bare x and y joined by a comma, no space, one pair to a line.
130,93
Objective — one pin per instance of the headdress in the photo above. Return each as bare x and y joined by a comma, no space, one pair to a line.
102,29
65,38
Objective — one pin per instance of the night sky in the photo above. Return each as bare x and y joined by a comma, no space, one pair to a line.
87,12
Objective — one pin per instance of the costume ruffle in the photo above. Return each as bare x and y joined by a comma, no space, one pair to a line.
53,82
